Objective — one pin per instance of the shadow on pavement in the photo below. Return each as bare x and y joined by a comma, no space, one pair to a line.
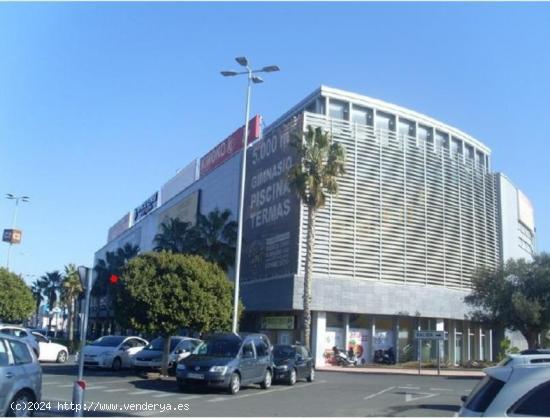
446,407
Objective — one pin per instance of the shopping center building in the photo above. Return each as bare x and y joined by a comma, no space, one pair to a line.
419,209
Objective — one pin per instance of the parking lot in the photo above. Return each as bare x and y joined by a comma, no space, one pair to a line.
332,394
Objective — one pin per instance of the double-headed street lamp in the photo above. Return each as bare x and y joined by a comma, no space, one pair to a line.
17,199
252,78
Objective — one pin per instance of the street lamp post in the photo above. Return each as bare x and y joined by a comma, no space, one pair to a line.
252,78
22,198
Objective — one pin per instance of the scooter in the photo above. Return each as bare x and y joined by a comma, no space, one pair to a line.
342,359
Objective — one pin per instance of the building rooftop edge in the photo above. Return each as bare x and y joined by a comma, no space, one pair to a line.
378,103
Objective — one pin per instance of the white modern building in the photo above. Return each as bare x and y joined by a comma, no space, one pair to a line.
418,210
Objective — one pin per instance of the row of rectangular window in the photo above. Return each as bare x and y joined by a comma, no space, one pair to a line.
338,109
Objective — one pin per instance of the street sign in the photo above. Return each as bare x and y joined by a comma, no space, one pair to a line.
432,334
12,236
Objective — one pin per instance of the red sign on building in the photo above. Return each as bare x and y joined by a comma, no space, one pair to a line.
228,147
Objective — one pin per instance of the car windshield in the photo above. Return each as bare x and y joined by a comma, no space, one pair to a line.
158,344
110,341
222,348
284,352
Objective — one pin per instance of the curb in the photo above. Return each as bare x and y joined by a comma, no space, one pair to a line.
424,373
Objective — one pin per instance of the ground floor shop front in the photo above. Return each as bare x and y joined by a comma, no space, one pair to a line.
365,334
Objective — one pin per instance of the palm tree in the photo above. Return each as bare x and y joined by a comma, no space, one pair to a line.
70,290
214,238
113,263
52,283
173,236
313,178
36,288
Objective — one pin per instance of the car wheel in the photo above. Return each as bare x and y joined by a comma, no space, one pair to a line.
266,383
61,357
234,383
117,364
292,377
24,399
311,376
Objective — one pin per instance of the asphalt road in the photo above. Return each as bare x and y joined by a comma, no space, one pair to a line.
332,394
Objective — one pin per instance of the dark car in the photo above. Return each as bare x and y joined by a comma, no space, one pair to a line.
293,362
228,361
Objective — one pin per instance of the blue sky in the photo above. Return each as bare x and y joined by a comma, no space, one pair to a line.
100,104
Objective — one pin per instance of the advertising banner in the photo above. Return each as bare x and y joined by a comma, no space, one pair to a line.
228,147
383,339
358,341
149,205
271,209
178,183
119,227
186,210
334,336
278,322
12,236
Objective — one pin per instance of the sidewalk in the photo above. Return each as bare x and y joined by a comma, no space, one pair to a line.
470,373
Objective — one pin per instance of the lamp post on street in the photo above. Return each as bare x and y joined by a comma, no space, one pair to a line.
22,198
252,78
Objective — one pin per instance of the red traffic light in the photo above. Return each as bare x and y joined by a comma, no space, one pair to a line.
113,279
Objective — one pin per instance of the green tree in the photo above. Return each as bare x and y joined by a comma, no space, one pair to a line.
515,296
161,292
70,291
320,162
37,288
52,286
16,298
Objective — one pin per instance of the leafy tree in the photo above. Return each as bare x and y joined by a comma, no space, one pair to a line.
16,298
70,291
320,162
213,237
159,293
515,296
52,283
37,288
174,236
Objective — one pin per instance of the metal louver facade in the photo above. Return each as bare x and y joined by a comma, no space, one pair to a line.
407,211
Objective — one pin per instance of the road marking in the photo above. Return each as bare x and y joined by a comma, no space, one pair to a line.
67,385
115,390
441,389
142,392
410,387
50,383
419,396
379,393
94,387
163,395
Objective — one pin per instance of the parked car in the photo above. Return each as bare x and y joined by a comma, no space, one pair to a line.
292,363
228,361
50,351
150,357
20,377
518,386
22,333
113,352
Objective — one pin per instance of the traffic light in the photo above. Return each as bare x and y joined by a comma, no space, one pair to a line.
113,279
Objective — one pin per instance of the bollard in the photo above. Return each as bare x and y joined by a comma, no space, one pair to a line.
78,397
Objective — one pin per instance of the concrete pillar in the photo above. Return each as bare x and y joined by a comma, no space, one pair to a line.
468,342
440,327
481,354
346,330
319,329
396,338
491,345
372,333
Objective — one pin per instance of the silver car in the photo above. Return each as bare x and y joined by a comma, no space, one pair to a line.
518,386
21,333
20,378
